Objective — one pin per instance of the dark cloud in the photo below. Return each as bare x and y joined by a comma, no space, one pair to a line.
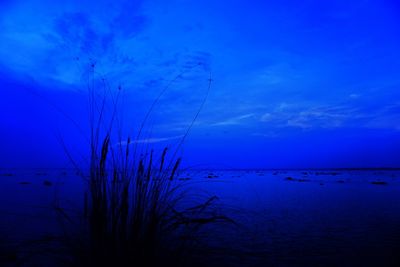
77,30
198,58
129,21
82,30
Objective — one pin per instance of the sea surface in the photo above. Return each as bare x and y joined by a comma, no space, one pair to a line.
282,218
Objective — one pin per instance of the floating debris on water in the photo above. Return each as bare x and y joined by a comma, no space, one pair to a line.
327,173
379,183
297,180
47,183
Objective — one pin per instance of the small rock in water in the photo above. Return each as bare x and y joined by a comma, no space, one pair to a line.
379,183
24,183
47,183
7,174
327,173
290,179
340,182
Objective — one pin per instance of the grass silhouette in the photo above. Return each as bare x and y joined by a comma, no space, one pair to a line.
132,211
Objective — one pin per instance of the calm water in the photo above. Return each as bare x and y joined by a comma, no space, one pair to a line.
283,218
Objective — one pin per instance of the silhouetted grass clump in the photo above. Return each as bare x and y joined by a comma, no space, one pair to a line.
132,211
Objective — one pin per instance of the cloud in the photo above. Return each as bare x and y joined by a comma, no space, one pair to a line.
269,134
354,96
322,117
389,121
152,140
267,117
234,120
387,117
78,30
318,116
129,21
307,117
49,36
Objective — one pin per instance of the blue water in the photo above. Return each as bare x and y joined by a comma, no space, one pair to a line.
282,217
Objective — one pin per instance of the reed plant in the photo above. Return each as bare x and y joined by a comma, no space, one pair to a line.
132,212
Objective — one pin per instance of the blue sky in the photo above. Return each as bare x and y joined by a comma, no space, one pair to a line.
295,83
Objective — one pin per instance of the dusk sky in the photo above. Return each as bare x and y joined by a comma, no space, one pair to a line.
295,84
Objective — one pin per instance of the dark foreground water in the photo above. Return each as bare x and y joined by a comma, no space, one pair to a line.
282,217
